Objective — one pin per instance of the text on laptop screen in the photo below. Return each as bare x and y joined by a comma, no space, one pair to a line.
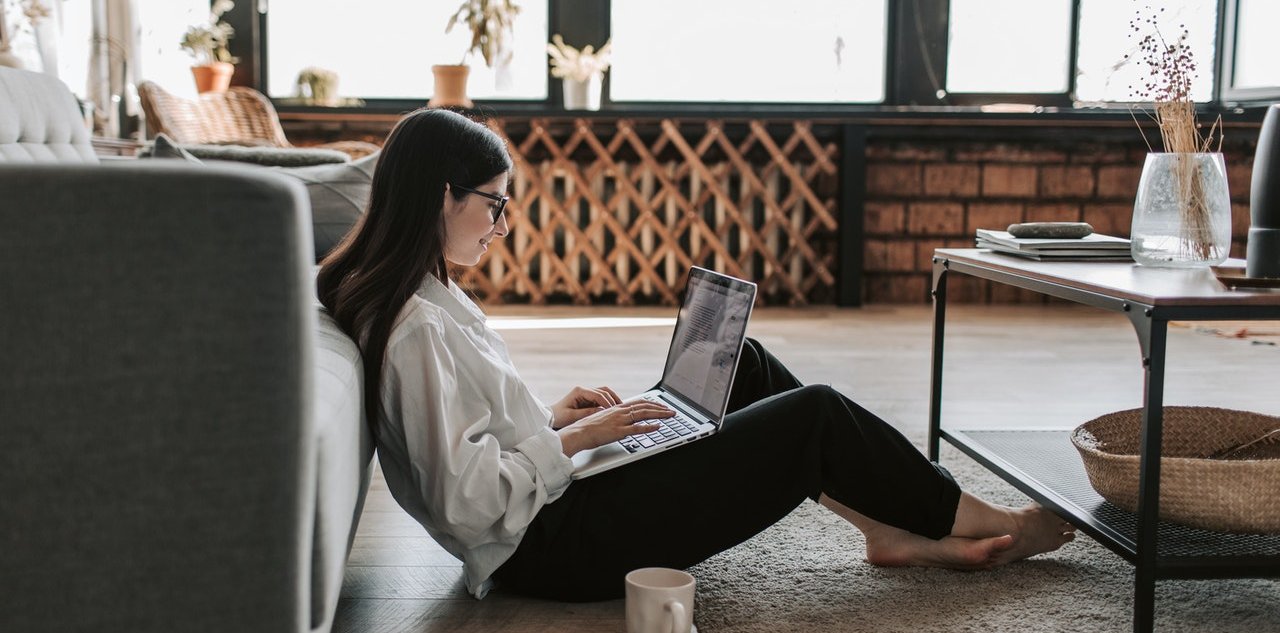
706,343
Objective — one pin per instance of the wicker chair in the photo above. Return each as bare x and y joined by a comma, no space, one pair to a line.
239,116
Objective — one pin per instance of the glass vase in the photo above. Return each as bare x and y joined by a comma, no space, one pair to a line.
1182,215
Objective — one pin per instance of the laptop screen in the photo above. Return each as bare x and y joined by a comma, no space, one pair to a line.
708,339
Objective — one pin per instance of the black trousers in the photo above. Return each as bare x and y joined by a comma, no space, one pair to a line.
781,443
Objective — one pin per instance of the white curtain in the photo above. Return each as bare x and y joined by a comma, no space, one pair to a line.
114,67
48,35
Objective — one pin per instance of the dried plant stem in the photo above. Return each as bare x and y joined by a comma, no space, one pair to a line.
1177,121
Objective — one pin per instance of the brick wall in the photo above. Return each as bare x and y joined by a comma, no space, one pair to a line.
927,194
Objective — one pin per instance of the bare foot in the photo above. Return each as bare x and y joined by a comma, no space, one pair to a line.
1034,529
984,535
1038,530
888,546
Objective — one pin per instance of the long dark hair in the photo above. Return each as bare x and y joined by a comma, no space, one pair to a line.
400,238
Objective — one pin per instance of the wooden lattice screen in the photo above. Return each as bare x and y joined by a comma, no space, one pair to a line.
616,211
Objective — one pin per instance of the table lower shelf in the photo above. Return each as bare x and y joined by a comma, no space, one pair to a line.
1045,465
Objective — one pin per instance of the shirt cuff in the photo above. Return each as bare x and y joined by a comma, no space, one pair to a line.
547,454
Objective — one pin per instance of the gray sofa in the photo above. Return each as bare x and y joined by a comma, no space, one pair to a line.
183,447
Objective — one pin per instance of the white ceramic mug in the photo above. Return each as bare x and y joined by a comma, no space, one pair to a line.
659,600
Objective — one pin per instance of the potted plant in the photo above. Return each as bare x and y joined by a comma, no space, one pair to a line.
581,72
318,86
490,23
207,43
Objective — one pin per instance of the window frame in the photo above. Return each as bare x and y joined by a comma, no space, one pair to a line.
1043,99
1225,80
915,57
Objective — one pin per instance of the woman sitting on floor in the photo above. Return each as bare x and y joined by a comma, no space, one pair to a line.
484,466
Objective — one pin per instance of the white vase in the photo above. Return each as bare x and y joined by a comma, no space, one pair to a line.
1182,214
582,95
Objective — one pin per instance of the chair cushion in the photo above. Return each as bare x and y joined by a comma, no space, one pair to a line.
338,192
40,121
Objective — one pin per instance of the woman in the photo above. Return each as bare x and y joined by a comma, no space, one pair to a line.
472,454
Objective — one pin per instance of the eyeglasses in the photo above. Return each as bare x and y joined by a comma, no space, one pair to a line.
501,200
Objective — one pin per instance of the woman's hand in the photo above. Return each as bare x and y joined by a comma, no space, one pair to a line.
580,403
611,425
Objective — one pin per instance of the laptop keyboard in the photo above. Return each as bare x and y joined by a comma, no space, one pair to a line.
671,429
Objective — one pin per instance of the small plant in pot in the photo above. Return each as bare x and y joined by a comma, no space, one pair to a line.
207,43
491,23
581,72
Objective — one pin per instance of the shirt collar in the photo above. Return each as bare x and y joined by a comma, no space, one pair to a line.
452,299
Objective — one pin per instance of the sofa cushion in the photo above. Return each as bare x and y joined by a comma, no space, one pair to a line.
164,147
268,156
338,192
40,121
344,446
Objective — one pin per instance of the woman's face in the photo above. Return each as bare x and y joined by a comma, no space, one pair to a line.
469,225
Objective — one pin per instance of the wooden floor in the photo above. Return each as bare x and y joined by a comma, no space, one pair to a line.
1003,365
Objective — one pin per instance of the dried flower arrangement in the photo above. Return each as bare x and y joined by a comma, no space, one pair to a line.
207,42
491,23
568,62
1172,67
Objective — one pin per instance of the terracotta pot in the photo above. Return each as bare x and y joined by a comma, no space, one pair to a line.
215,77
451,87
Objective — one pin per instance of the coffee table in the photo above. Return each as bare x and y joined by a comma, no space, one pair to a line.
1044,464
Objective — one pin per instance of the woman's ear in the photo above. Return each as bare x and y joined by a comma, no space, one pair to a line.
449,205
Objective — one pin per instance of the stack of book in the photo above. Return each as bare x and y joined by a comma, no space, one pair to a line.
1092,247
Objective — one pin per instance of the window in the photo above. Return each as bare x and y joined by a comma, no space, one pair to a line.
1107,69
1256,47
1027,49
161,24
759,51
161,58
73,45
385,48
1009,46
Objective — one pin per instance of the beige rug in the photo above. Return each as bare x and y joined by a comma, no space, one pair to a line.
807,574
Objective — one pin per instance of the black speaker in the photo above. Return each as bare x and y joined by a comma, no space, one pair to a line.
1263,259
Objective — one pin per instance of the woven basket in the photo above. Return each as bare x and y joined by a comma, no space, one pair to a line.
1220,469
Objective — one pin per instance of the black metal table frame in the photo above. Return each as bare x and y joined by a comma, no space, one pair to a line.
1150,322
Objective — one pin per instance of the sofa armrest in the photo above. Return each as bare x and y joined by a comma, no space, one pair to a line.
156,381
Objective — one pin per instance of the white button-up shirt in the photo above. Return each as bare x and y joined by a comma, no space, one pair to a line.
466,448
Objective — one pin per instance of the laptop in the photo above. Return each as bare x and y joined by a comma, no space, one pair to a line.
697,379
